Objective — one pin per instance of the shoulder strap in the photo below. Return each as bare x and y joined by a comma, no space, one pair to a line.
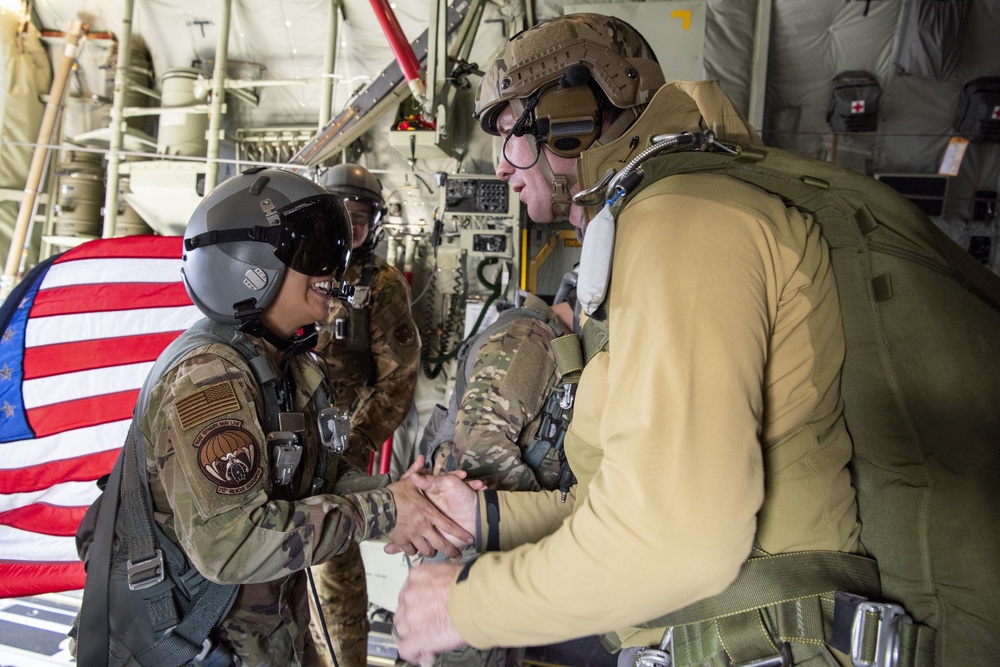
95,627
360,318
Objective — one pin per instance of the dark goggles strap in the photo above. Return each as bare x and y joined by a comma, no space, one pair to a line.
269,235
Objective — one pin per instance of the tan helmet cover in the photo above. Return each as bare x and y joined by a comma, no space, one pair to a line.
618,58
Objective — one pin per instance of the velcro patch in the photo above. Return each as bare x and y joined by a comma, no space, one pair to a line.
404,335
210,402
228,456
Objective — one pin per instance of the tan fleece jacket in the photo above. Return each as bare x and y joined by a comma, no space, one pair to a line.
714,418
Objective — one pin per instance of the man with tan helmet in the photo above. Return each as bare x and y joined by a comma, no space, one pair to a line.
724,361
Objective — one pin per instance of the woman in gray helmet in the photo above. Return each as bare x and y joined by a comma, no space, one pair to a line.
243,465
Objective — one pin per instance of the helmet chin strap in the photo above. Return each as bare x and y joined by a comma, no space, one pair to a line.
250,323
560,187
561,183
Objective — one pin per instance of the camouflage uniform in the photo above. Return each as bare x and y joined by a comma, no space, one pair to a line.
210,480
513,373
379,409
499,413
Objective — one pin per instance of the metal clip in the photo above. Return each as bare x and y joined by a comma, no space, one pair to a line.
341,328
145,573
360,297
888,640
285,456
782,659
566,402
657,657
334,428
594,195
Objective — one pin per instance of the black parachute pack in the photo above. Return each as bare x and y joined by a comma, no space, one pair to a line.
921,388
144,602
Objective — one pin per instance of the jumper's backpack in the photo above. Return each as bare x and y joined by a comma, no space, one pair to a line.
921,388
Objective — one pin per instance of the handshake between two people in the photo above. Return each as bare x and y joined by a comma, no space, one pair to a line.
433,513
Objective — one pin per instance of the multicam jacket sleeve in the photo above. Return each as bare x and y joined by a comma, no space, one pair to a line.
211,484
513,373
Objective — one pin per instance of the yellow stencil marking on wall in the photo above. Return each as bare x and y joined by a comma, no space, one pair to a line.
684,15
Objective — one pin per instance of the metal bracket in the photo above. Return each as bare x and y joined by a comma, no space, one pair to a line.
891,618
145,573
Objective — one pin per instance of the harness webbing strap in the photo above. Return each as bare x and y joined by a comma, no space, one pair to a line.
95,625
745,637
595,337
795,592
569,357
186,639
779,578
361,341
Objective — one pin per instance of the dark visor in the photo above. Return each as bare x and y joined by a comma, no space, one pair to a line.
313,237
310,242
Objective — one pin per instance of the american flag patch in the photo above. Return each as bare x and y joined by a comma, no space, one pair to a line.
207,404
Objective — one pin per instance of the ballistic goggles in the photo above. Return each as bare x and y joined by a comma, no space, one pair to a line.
308,236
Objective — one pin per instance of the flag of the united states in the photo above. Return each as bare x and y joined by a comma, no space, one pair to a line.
77,338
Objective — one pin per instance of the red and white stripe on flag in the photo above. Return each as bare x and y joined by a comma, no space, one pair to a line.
75,348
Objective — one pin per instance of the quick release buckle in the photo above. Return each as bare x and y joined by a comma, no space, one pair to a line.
891,618
145,573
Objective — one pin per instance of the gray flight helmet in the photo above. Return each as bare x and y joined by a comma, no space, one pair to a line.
245,234
352,181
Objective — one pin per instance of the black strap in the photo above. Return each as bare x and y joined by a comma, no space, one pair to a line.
95,628
366,361
187,639
270,235
492,541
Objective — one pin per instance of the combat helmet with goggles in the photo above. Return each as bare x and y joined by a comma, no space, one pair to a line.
558,77
354,183
248,231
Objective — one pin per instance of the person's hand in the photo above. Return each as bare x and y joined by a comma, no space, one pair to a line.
422,624
420,526
450,494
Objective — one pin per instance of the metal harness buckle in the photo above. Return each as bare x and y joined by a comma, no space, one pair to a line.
661,657
780,659
145,573
889,638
